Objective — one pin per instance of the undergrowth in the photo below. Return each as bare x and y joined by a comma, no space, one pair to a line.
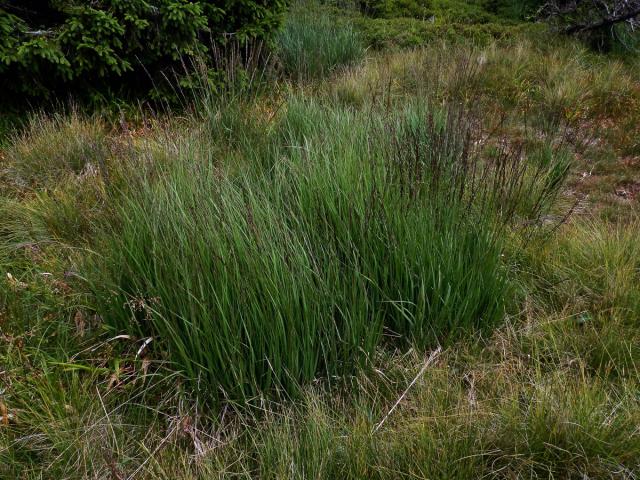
372,276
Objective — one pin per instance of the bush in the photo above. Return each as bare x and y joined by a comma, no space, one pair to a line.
512,9
448,11
114,44
397,8
410,32
607,25
410,23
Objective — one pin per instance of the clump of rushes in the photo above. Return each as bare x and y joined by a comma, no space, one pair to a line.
353,228
312,44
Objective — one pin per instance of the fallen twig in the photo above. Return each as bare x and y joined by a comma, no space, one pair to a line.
430,360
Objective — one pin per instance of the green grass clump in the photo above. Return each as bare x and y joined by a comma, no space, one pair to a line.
297,261
313,44
598,270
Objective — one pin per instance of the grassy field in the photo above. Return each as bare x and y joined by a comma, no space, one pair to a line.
362,261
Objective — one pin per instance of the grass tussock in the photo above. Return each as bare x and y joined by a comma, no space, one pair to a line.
312,44
340,239
50,149
598,269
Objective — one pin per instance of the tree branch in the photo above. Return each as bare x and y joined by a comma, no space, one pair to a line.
605,22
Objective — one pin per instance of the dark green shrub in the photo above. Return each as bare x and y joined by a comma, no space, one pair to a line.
450,11
512,9
409,23
411,32
116,44
397,8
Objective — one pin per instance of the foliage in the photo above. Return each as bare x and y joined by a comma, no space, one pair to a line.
397,8
409,32
451,11
552,392
410,23
114,44
512,9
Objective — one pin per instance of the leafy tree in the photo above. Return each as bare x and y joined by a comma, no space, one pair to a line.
106,45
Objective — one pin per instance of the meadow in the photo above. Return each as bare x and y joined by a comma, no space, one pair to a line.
369,255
